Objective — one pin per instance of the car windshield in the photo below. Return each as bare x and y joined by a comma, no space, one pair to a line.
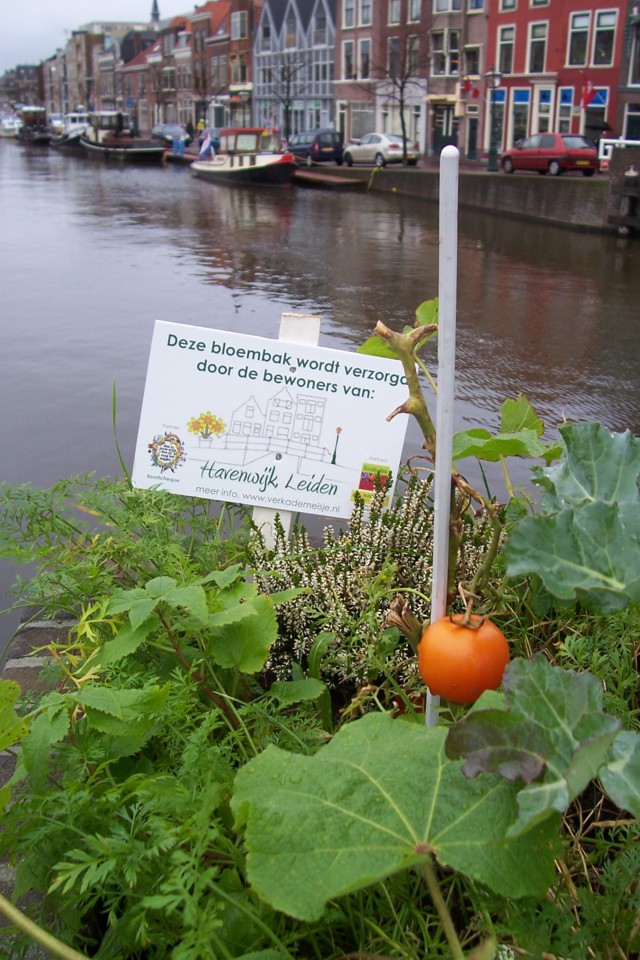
577,143
394,137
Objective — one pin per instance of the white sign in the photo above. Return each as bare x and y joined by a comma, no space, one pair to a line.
244,419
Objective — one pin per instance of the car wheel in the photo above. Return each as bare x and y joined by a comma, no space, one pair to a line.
348,159
588,173
507,165
554,168
309,161
379,161
412,163
339,162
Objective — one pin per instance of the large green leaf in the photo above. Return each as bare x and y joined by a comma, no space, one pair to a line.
382,796
585,543
492,447
553,723
620,776
244,645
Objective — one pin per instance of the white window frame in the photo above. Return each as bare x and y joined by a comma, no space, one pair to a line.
349,14
362,43
531,40
346,44
365,12
574,16
607,12
502,44
393,13
239,25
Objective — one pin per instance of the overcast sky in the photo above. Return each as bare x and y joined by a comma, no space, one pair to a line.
32,30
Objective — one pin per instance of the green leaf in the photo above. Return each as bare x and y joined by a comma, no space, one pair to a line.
585,543
295,691
377,347
553,722
492,447
381,797
223,578
517,415
620,775
12,727
427,313
126,641
245,645
48,728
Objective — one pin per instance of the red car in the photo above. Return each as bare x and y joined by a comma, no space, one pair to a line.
552,153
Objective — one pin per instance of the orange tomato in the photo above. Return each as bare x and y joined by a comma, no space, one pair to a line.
460,662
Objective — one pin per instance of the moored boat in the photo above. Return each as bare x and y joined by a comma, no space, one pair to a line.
74,125
9,125
247,155
33,127
109,135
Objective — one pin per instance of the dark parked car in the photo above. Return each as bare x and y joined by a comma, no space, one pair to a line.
316,146
552,153
168,132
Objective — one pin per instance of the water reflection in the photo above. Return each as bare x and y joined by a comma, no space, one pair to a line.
95,254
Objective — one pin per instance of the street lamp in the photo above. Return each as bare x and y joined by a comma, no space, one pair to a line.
493,78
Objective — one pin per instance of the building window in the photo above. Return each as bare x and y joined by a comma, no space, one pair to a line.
393,56
239,25
506,39
349,13
364,71
565,106
634,63
472,61
348,72
475,5
320,31
365,13
291,33
578,39
507,4
537,47
394,11
447,6
413,55
605,35
415,7
438,56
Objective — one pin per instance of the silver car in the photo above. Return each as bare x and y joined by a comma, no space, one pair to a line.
380,149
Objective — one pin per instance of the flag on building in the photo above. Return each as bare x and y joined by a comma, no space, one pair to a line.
588,93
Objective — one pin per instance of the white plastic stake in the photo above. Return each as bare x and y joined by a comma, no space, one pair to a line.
447,290
300,328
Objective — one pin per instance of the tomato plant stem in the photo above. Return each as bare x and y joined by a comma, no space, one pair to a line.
46,940
429,874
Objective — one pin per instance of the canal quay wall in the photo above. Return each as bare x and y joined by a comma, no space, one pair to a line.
573,201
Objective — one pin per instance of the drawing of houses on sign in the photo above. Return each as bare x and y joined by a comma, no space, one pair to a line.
289,424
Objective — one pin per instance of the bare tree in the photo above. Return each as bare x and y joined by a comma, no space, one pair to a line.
289,79
398,76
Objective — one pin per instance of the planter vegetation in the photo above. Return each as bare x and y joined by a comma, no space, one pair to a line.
232,759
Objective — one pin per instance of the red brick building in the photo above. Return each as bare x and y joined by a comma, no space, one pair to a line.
557,66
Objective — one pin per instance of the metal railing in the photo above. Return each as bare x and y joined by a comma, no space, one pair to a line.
606,146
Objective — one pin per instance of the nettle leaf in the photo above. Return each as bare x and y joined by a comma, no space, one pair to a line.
620,775
126,641
585,544
553,724
223,578
295,691
12,727
380,797
49,727
245,645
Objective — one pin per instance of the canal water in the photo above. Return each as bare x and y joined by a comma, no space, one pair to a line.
91,255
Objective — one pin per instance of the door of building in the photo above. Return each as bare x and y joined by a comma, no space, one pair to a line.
445,128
